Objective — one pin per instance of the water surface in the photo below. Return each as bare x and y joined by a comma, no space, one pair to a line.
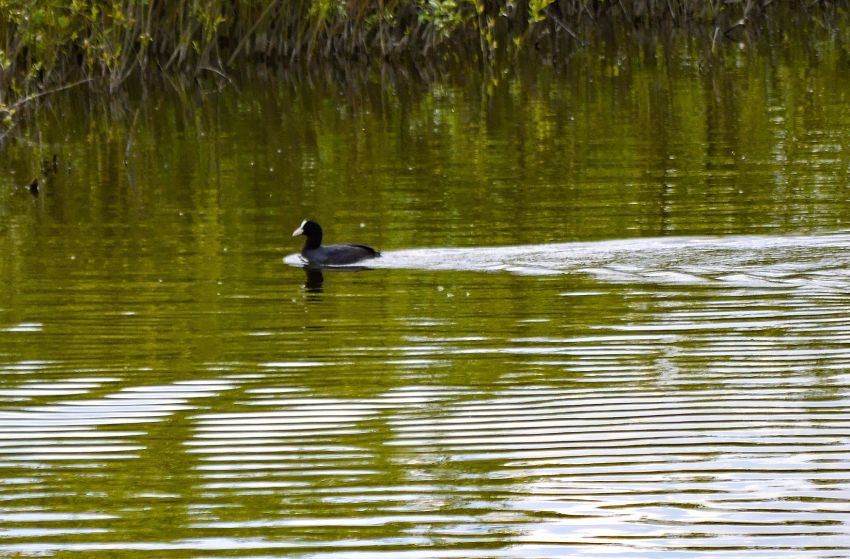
611,318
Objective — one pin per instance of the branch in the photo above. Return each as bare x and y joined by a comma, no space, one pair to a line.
29,98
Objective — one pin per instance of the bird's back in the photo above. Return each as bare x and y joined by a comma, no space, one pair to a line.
340,255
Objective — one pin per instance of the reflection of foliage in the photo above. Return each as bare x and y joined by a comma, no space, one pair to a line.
648,119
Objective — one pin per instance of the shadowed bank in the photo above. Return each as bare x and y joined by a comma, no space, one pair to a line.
105,45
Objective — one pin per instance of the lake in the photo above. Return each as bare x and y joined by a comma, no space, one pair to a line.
611,318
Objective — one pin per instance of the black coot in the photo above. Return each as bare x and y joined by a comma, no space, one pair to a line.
330,255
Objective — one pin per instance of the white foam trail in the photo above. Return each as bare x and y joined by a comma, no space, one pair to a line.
746,260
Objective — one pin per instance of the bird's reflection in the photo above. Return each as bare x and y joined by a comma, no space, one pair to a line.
314,279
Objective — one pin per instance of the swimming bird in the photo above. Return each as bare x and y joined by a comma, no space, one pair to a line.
330,255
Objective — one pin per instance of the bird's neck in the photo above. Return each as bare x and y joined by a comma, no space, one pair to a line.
313,242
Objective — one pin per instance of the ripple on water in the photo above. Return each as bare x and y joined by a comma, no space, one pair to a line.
571,467
712,422
708,419
72,429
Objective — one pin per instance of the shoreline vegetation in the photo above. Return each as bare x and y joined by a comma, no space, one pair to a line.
48,46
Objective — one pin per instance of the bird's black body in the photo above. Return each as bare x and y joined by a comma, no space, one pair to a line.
330,255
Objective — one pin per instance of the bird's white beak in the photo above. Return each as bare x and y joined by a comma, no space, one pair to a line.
300,230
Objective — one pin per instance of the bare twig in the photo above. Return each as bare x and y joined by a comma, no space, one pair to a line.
217,71
28,98
569,31
132,131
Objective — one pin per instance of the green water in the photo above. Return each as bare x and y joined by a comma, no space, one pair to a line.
638,346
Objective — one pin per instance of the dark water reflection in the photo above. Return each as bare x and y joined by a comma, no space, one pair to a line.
611,317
